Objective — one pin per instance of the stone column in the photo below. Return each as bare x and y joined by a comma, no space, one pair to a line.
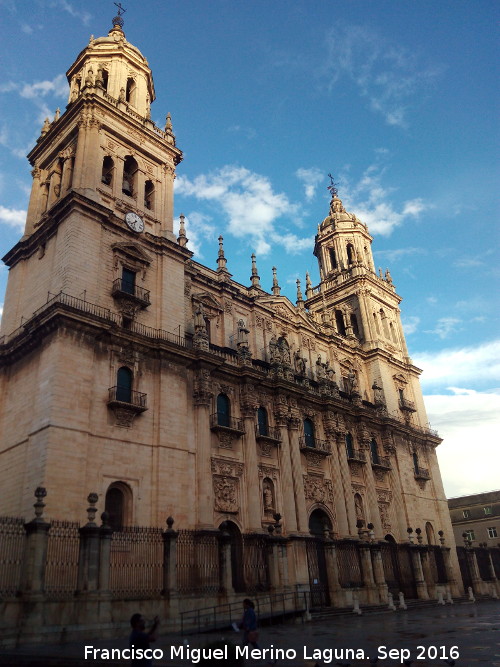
297,476
372,499
274,557
422,592
450,572
34,204
378,573
202,398
226,574
342,521
332,569
35,551
88,560
118,176
345,475
427,573
169,559
367,572
289,513
253,490
477,582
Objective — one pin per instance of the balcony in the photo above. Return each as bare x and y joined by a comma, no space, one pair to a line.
381,462
126,291
356,455
422,474
126,404
310,444
268,434
406,405
221,422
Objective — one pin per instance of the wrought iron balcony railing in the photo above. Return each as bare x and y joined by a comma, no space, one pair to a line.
422,473
127,397
222,421
308,443
381,462
356,455
405,404
267,433
125,289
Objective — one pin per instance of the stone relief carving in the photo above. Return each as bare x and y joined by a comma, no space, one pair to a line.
226,468
226,494
317,489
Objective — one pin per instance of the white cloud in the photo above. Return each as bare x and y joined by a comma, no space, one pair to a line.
84,16
248,200
398,253
370,200
410,324
248,132
311,178
460,366
445,326
13,217
58,87
469,423
389,76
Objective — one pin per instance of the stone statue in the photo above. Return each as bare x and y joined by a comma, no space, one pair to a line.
320,368
300,363
329,372
199,320
273,350
358,506
268,498
242,339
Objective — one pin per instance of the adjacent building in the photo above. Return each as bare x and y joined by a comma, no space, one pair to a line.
476,518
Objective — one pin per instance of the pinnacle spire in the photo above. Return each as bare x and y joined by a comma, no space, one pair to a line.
182,239
300,298
255,278
276,287
221,258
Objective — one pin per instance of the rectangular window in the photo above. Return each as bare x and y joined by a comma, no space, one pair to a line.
128,281
466,514
492,532
470,535
487,510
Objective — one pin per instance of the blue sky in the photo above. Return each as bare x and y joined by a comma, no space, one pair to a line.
397,99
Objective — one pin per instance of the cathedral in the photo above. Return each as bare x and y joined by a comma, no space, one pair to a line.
131,371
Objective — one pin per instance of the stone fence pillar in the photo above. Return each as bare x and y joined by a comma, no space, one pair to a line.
89,556
170,559
35,553
226,574
421,585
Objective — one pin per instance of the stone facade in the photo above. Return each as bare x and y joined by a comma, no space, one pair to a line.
165,387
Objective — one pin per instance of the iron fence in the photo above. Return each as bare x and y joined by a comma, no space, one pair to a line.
198,563
61,572
349,562
12,537
136,563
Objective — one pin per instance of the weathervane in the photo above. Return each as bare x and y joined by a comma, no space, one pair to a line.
118,19
332,187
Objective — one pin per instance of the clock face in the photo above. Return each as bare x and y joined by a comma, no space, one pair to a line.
134,221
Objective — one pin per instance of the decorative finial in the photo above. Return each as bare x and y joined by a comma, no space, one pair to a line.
46,127
182,239
117,20
221,258
92,499
300,298
168,123
332,187
57,114
309,289
255,278
276,287
40,493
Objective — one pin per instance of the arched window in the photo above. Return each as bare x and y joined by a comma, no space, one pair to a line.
118,504
319,523
309,433
350,254
128,281
124,379
374,451
354,324
104,78
384,323
130,92
262,421
333,258
393,333
130,168
223,410
429,531
107,170
375,319
349,445
149,195
339,320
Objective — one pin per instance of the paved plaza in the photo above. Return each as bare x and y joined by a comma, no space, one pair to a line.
466,633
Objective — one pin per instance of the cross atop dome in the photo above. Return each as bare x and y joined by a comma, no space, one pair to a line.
117,20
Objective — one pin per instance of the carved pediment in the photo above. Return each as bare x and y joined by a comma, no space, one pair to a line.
132,251
210,304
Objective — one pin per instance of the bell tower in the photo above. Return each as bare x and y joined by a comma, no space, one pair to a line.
103,174
361,306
